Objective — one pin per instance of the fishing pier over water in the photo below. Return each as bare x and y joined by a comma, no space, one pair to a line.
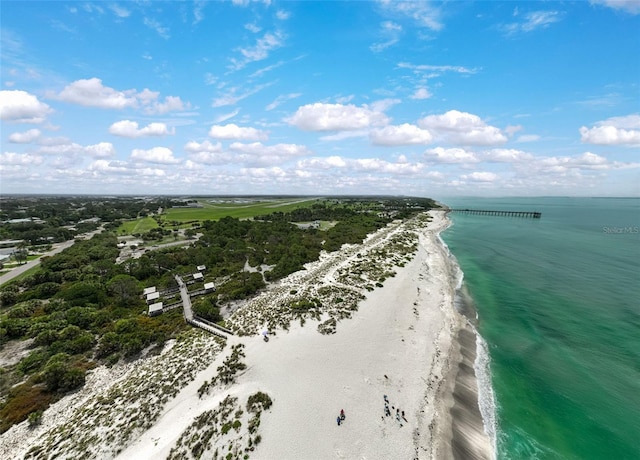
486,212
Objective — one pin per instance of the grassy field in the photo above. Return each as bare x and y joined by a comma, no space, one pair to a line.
215,211
137,226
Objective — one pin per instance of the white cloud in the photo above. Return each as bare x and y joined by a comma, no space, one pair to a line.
283,15
162,155
342,135
62,147
421,93
281,100
158,27
26,137
390,32
232,97
450,156
630,6
235,132
119,11
257,154
613,131
205,146
506,156
335,117
21,159
22,107
101,150
528,138
128,128
532,21
252,27
436,69
226,116
462,128
269,42
424,13
92,93
405,134
480,176
361,165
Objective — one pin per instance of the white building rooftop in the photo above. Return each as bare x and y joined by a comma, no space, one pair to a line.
149,290
198,276
155,308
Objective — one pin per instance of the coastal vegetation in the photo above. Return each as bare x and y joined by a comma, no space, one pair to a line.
81,308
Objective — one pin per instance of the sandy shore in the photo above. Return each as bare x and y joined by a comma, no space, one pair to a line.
405,342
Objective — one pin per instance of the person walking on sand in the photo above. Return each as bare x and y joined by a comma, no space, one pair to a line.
338,420
341,414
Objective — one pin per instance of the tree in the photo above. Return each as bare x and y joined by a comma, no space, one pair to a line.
124,288
20,255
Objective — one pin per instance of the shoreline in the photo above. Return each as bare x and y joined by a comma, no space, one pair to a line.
405,341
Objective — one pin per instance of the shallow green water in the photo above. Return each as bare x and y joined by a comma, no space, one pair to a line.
558,301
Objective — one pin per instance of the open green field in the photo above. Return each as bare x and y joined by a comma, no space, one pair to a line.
137,226
215,211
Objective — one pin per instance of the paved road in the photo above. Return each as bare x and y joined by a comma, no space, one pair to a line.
32,263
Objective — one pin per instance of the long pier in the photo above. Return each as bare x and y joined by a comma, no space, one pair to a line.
194,320
487,212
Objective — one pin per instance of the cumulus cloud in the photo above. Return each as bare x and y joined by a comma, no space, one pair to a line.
361,165
462,128
26,137
405,134
20,159
450,156
336,117
100,150
161,155
421,93
235,132
128,128
92,93
258,154
528,138
206,146
506,156
480,176
614,131
22,107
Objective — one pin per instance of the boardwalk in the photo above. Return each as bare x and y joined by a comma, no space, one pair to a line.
486,212
195,321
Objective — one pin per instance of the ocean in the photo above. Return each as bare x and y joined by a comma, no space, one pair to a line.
558,310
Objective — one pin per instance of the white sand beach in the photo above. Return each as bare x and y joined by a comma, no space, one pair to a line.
402,342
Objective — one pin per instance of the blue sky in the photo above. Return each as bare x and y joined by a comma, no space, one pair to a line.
264,97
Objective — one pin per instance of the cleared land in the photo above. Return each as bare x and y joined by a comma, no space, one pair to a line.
215,211
141,225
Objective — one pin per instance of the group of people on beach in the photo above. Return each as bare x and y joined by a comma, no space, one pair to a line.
341,417
387,412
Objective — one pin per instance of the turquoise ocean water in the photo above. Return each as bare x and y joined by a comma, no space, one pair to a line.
558,304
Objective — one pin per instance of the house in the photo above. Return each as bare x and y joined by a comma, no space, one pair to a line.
201,268
148,290
198,276
155,309
209,287
152,296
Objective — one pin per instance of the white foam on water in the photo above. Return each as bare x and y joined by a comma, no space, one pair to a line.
486,398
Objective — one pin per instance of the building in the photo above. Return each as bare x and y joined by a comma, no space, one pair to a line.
148,290
209,287
151,297
201,268
198,276
155,309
